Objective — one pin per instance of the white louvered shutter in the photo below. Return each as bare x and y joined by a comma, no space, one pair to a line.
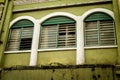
58,36
58,32
20,39
49,37
26,38
99,30
107,33
91,33
67,35
13,43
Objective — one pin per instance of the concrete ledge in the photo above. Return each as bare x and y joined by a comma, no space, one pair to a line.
59,66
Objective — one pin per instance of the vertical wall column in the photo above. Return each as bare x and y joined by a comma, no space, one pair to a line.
4,28
80,59
33,57
6,3
117,24
119,5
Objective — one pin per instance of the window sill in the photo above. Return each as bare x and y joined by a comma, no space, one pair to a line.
23,51
58,49
95,47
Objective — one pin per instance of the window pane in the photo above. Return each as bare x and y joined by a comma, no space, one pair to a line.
91,33
58,32
25,43
26,38
66,35
58,36
13,43
48,37
20,39
107,33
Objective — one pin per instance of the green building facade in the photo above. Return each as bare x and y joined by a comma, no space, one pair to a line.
75,37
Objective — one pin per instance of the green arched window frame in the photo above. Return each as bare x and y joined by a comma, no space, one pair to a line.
58,32
99,30
20,37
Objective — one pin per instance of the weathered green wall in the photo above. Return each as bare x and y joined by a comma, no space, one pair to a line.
74,10
101,56
52,3
14,59
62,57
4,29
117,23
59,73
92,56
2,1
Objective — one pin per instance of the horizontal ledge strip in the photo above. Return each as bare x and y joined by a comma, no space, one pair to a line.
59,66
22,51
93,47
60,49
64,5
57,49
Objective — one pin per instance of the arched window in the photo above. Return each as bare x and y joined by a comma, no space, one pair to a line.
99,30
58,32
20,37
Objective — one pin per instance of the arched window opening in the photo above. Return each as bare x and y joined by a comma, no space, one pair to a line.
99,30
20,37
58,32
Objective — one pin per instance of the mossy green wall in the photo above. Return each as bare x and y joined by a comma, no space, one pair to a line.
62,57
59,73
52,3
2,1
78,11
101,56
117,23
4,29
14,59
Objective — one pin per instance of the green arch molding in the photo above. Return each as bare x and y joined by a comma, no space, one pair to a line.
98,16
22,23
58,20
